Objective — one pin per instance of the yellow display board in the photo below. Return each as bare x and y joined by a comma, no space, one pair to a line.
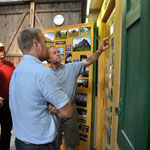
108,84
75,44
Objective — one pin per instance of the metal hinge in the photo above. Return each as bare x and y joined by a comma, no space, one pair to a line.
117,111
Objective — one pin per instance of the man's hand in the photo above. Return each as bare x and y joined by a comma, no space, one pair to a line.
105,44
1,102
95,56
52,109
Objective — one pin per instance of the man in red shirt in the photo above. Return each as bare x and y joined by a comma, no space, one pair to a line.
6,70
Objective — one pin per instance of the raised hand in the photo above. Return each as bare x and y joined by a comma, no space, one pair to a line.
105,44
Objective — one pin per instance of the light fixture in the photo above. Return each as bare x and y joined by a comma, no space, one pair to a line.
88,7
86,20
59,20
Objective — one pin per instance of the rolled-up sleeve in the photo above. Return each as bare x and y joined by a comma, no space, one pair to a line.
51,90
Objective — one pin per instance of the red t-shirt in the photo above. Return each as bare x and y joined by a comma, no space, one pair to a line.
6,70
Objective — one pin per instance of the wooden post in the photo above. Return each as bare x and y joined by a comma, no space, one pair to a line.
32,10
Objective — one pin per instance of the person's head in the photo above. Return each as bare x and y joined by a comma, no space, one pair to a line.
54,55
2,51
31,41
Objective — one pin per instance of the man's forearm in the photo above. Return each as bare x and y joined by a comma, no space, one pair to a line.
92,58
65,111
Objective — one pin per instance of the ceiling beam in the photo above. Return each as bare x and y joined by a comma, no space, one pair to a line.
37,1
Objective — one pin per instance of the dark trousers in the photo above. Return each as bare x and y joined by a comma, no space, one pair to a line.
6,126
22,146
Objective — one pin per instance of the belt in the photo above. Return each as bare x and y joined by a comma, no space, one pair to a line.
27,143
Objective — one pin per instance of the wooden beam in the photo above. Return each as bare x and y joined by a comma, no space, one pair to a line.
10,12
14,55
13,12
83,10
32,10
51,8
58,10
6,2
109,8
38,19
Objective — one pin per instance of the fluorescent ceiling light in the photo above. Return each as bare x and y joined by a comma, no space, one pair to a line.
88,7
86,21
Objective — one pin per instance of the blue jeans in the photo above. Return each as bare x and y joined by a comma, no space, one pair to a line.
22,146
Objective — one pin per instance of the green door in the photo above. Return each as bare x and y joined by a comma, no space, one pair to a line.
133,125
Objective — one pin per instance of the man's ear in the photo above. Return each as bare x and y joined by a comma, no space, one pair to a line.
35,44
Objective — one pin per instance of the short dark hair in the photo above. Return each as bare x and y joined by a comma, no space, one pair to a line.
26,37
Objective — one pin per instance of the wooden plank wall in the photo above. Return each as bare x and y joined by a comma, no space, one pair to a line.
14,18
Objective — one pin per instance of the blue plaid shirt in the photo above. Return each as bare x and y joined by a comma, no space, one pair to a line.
32,86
